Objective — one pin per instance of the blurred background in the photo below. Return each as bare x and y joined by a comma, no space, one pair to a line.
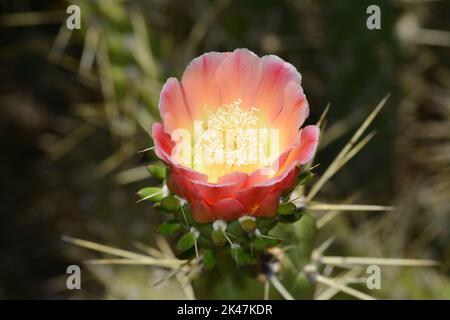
76,106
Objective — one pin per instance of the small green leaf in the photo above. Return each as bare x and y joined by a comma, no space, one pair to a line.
169,228
186,242
241,256
209,259
170,203
291,218
234,228
304,178
287,208
288,212
150,193
265,224
218,237
186,213
157,171
272,242
259,243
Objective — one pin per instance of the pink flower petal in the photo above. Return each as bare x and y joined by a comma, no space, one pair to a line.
201,212
176,185
200,86
252,196
245,69
163,143
191,185
212,193
189,173
291,117
270,84
228,209
236,177
304,151
276,75
173,108
269,207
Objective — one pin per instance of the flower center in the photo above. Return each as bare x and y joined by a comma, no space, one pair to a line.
233,139
231,133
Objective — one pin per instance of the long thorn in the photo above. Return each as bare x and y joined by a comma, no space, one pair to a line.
329,292
347,207
342,261
331,170
323,116
145,150
60,43
166,263
331,214
117,252
266,290
280,288
324,246
341,287
184,216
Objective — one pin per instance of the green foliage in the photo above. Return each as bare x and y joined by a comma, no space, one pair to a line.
302,287
170,203
235,230
288,213
209,259
305,177
186,242
241,257
265,224
261,243
153,194
306,233
286,208
290,218
218,237
157,171
169,228
248,224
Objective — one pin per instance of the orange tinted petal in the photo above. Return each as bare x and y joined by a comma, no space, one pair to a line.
200,86
173,108
292,115
276,74
201,212
228,209
238,77
303,151
269,206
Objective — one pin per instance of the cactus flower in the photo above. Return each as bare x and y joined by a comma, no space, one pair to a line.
230,134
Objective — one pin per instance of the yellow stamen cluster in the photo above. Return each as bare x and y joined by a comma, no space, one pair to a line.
231,139
231,135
